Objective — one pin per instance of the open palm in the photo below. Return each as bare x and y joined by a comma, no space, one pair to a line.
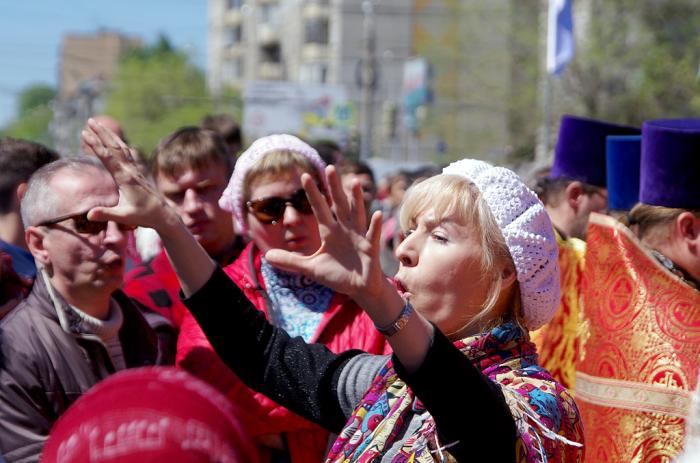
348,259
139,202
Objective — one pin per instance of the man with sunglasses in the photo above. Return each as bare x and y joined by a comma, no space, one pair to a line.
191,168
75,327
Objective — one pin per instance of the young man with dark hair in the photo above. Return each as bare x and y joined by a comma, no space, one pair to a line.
191,167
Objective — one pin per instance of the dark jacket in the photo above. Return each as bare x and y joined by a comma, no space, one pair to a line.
308,378
44,368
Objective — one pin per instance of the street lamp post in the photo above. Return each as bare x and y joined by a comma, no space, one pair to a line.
368,80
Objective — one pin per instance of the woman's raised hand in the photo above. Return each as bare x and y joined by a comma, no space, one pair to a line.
348,259
139,202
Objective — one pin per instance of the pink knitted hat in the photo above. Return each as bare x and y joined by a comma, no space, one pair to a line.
232,198
528,232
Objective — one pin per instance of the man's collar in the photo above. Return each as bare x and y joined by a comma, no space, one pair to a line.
669,265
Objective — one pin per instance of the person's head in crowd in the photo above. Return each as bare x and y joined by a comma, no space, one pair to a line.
150,414
355,170
576,185
398,184
330,152
424,172
667,219
191,167
227,127
485,280
266,197
623,159
83,260
19,159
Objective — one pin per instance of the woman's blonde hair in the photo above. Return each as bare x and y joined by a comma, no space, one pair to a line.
651,223
277,164
454,195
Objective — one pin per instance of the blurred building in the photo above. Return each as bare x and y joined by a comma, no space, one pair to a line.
309,42
90,57
451,76
87,63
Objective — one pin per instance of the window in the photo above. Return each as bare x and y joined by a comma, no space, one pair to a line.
313,73
234,4
232,69
233,35
316,31
271,53
268,13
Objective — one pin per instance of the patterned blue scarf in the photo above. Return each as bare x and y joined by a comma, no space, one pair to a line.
298,301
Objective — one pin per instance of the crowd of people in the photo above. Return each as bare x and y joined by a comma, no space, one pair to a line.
279,304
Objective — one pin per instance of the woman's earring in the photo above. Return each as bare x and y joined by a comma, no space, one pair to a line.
274,222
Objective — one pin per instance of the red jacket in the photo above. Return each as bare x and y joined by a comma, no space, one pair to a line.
155,285
343,326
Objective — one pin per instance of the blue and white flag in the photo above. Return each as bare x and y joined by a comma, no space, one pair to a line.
560,35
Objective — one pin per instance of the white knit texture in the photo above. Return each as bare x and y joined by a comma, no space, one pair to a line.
528,233
232,198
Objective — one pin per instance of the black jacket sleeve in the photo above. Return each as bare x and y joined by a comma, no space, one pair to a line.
299,376
468,408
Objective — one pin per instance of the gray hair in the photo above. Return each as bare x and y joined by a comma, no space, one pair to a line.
39,201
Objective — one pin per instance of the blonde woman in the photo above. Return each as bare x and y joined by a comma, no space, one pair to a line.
478,268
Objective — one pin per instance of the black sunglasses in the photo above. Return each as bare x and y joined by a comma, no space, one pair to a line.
269,210
83,225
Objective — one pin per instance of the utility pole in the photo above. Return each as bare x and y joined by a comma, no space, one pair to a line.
368,80
542,149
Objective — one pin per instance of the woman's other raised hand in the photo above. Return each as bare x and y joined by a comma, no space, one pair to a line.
348,259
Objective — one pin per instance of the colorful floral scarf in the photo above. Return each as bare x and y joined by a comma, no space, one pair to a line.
546,417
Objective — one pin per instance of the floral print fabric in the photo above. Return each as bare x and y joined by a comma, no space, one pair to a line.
547,420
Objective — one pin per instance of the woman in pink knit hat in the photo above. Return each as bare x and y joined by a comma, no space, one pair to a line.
270,207
478,269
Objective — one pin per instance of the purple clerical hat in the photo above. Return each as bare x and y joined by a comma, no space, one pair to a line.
670,170
580,152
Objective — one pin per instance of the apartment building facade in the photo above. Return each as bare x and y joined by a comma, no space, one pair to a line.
473,50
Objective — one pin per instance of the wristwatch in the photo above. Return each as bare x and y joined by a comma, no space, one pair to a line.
398,324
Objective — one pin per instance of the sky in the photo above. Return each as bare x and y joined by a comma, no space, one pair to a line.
31,33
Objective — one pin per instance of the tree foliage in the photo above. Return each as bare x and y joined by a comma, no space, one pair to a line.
156,90
636,60
34,114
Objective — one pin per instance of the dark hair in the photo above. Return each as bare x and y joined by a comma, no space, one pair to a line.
357,168
549,189
19,159
192,147
327,149
225,126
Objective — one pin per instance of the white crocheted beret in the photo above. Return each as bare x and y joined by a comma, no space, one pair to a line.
528,232
232,198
